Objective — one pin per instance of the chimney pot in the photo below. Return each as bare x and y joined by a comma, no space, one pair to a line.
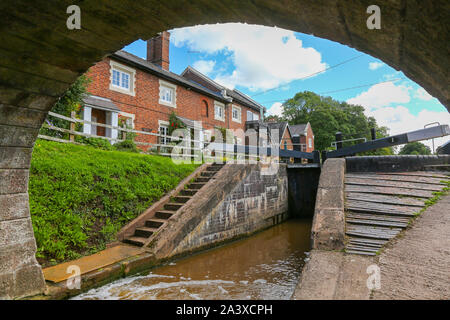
158,50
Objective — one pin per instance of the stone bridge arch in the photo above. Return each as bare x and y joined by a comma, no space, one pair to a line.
40,57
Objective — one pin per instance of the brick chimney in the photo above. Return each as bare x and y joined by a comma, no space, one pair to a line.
158,50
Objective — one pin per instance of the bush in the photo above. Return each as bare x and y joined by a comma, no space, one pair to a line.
126,145
80,196
70,101
95,142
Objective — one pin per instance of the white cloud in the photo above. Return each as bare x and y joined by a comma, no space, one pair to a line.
400,120
380,101
375,65
423,95
382,94
275,110
263,57
204,66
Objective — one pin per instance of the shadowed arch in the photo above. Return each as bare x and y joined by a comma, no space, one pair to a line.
40,58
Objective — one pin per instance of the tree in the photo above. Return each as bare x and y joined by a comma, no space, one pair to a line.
272,118
415,148
71,100
328,116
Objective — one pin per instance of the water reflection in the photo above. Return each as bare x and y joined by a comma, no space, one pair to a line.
264,266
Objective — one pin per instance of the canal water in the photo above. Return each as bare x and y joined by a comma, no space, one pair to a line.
266,265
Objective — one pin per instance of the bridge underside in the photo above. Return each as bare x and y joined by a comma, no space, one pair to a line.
40,58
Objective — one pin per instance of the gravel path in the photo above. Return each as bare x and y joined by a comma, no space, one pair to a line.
416,265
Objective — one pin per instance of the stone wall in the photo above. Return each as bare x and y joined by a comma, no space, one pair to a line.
20,274
238,202
328,228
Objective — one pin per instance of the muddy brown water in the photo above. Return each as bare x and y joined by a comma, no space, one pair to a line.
266,265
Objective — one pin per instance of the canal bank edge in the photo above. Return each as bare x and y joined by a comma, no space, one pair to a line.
238,187
329,273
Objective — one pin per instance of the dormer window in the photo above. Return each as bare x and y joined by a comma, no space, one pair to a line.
122,78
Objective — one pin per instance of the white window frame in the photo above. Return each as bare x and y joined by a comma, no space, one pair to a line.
164,124
239,111
216,115
249,113
123,69
310,142
207,135
167,85
254,115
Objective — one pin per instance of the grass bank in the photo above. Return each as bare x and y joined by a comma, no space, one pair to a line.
80,196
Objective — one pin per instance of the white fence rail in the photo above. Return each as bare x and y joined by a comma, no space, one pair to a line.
189,148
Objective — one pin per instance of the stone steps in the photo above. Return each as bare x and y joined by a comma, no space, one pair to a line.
142,234
164,214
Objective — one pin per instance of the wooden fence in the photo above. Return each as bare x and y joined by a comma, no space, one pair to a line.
189,148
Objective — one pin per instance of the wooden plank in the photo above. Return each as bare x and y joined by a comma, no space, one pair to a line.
380,176
368,241
441,175
389,190
380,198
396,184
356,205
41,136
370,235
377,217
377,223
365,244
377,230
362,248
361,252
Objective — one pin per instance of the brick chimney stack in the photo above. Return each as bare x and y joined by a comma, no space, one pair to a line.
158,50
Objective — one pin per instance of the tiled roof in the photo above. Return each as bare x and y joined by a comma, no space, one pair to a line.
154,69
281,126
298,129
100,103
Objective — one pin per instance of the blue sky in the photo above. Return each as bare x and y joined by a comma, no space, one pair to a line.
268,63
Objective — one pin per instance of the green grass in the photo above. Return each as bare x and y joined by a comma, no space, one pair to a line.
80,196
437,195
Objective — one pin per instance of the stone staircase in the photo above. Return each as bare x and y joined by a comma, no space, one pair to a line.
142,234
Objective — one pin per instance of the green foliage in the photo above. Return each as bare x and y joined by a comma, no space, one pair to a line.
71,100
98,143
80,196
415,148
328,116
222,135
175,123
273,118
126,145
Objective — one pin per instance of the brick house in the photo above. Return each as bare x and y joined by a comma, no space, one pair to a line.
284,134
302,137
143,93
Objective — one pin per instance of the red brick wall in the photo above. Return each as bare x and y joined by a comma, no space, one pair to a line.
288,139
304,139
145,103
